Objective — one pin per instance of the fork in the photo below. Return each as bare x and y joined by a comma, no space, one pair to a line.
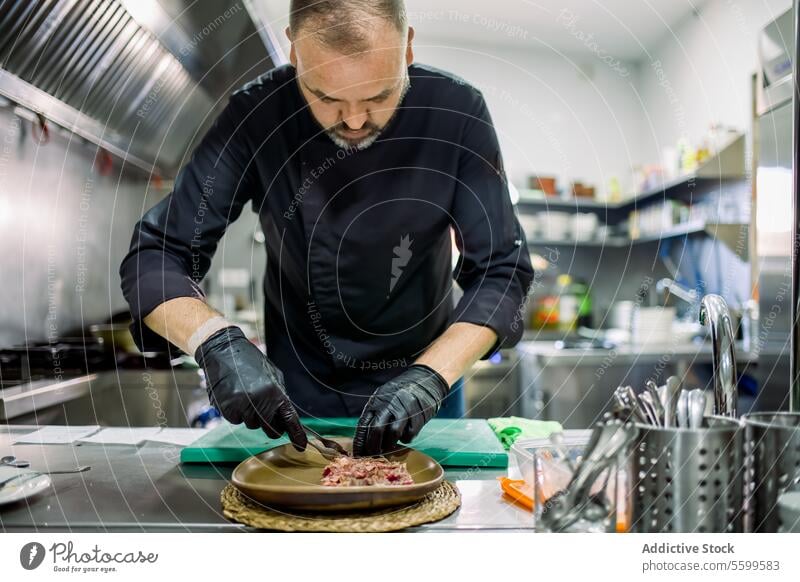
327,453
330,449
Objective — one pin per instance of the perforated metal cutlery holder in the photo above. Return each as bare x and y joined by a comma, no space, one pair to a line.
772,465
688,480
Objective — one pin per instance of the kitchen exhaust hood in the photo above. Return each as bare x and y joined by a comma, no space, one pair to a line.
141,78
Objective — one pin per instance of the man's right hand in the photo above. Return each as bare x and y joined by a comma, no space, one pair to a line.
246,387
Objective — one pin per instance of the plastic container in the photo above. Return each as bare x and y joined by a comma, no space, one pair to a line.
542,465
524,452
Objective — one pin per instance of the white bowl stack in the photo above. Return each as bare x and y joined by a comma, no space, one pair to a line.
652,326
555,225
584,226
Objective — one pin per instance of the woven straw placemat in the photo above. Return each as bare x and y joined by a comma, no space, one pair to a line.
436,505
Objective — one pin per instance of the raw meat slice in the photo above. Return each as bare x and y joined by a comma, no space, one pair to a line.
350,472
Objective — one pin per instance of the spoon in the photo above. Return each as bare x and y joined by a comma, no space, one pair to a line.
697,408
11,461
671,393
682,410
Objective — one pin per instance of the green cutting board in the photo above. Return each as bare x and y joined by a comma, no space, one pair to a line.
463,442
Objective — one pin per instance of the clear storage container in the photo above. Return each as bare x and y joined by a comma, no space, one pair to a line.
548,468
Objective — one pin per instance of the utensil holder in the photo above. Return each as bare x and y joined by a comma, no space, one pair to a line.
688,480
772,465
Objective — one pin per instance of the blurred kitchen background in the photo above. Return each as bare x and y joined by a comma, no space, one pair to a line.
649,145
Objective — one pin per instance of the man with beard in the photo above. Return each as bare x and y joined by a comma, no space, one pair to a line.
360,164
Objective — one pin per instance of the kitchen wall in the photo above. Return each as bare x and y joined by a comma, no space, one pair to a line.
574,115
700,72
556,114
64,229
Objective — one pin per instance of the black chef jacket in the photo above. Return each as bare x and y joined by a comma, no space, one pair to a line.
359,273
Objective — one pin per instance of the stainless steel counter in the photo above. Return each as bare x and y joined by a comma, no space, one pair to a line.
110,398
627,354
146,488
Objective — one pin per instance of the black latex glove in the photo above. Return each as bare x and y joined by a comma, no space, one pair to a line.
398,410
246,387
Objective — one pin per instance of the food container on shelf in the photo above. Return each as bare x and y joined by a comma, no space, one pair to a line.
580,190
584,226
546,184
603,232
555,225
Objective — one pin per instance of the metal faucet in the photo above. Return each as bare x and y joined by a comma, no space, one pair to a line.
714,313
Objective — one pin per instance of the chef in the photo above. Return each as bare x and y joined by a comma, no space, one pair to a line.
360,164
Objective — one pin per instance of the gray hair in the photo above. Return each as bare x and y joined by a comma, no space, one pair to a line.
344,24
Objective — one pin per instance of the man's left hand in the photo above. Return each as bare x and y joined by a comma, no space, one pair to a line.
398,410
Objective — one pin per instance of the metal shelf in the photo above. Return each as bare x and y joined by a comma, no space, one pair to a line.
731,235
726,166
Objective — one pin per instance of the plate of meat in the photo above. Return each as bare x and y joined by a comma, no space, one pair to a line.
307,481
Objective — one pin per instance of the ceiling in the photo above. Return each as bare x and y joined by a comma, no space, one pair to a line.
621,28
